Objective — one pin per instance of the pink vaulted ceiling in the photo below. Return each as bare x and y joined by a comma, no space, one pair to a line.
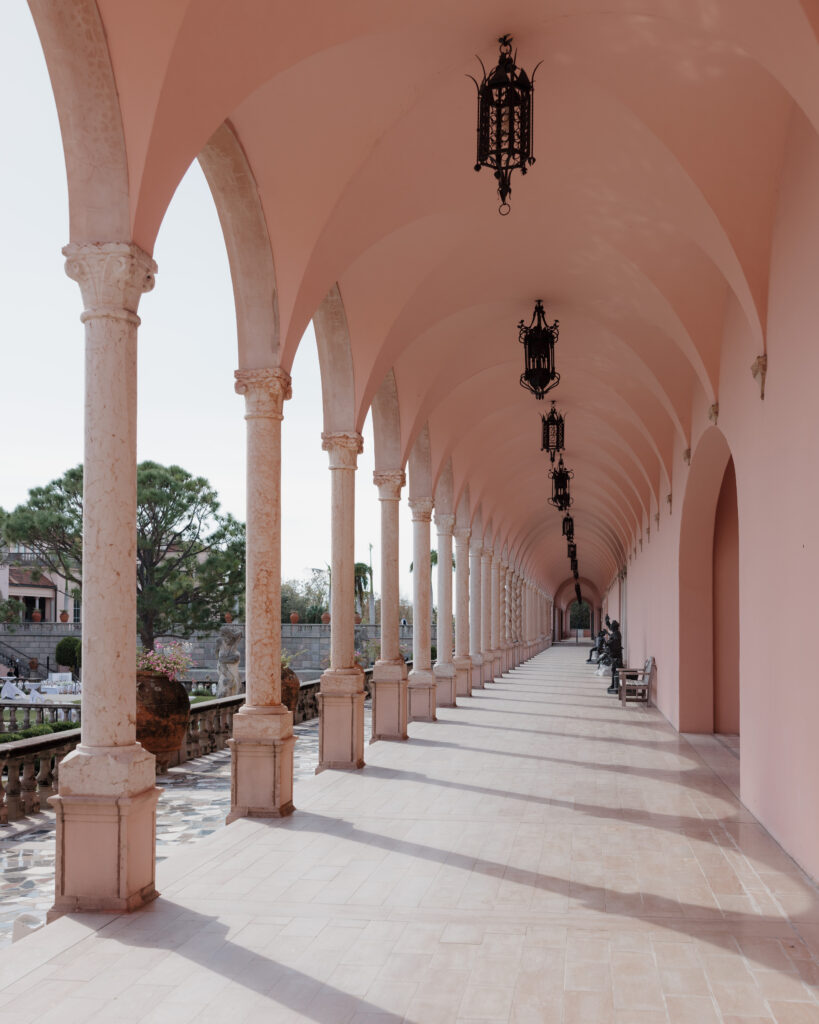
659,131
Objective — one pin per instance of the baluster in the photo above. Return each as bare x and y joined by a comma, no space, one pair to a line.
12,719
13,801
27,718
45,777
3,720
39,715
59,754
222,733
4,811
28,787
196,747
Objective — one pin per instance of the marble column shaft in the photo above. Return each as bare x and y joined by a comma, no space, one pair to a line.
463,663
422,686
262,743
444,670
106,805
495,618
341,697
390,709
486,615
475,612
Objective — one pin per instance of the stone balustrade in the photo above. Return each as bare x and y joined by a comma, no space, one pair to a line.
16,716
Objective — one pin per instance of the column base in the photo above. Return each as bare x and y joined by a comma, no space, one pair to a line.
390,701
261,763
477,671
445,691
106,831
422,695
496,664
341,719
463,675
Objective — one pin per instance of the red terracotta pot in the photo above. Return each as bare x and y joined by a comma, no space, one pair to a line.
294,617
325,618
63,616
163,713
228,617
357,619
36,616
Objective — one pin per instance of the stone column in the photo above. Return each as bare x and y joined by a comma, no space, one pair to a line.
390,671
495,620
341,698
514,653
503,618
475,615
463,663
444,670
422,685
486,616
262,744
106,805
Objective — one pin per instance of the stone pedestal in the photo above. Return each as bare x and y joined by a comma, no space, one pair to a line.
341,719
444,670
390,700
261,779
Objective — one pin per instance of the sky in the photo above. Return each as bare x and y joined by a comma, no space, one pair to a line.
188,412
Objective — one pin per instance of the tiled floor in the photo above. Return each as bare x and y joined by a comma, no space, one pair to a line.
194,803
537,855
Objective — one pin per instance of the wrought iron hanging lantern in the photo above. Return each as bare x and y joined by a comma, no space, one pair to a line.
578,593
505,120
568,528
574,565
538,340
571,549
560,477
554,431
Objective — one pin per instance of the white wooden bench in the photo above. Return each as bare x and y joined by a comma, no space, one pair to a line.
635,683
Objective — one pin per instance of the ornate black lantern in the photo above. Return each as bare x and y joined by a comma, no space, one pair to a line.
560,477
505,120
538,340
568,528
571,548
554,431
574,566
578,594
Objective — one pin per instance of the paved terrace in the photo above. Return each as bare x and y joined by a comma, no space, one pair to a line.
538,854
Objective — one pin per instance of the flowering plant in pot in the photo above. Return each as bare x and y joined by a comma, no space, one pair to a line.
163,705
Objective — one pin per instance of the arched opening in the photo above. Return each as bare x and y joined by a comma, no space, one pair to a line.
580,617
726,607
708,539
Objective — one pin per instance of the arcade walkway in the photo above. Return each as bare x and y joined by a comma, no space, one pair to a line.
538,855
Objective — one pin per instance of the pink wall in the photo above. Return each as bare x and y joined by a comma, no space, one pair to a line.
775,448
726,607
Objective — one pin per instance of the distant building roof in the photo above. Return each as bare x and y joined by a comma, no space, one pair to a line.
29,578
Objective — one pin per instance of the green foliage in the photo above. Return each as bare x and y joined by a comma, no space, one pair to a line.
579,615
69,652
190,557
37,730
307,597
11,611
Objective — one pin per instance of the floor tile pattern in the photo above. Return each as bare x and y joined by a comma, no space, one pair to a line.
538,854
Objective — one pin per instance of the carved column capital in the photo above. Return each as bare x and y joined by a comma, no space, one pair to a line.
112,277
421,509
476,545
344,447
265,390
389,483
444,523
462,534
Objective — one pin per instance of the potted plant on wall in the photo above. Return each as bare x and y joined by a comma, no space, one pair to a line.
163,705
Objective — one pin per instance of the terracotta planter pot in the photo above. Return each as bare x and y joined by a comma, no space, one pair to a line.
36,616
325,618
290,688
163,713
228,617
63,616
33,663
357,619
294,617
